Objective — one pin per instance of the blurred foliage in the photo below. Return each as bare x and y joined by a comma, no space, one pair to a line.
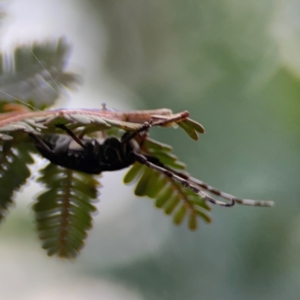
24,78
35,74
14,162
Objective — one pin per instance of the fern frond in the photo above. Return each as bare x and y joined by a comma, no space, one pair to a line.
14,161
64,212
92,120
163,152
192,128
169,195
35,74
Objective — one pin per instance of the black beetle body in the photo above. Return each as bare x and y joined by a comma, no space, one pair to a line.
95,157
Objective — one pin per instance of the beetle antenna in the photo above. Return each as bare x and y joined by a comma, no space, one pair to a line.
172,175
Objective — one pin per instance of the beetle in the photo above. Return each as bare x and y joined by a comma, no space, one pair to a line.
91,156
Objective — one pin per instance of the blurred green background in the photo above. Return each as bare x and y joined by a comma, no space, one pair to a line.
235,66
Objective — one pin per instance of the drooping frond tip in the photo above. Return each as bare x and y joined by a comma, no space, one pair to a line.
64,211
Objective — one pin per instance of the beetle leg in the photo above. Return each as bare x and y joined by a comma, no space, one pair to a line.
72,135
155,121
41,143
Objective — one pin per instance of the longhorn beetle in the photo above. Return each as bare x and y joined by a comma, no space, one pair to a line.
91,156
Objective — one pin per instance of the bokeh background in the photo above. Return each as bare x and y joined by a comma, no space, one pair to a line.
235,65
